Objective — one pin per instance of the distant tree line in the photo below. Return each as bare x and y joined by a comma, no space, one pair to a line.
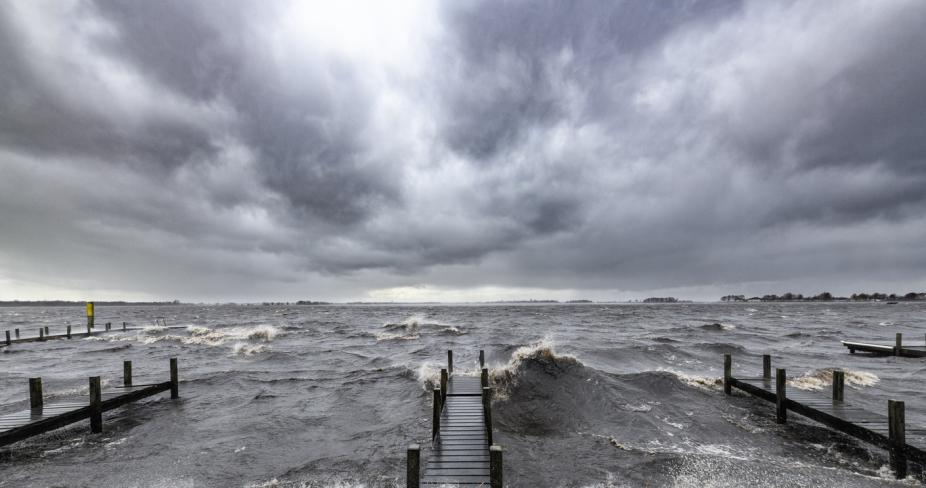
824,297
69,303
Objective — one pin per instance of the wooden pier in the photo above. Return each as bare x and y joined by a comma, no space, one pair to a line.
462,452
45,416
885,431
898,349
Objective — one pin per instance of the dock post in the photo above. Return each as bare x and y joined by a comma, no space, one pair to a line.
781,382
413,467
96,405
89,316
126,373
123,327
482,358
487,412
495,466
9,341
69,332
174,380
484,377
109,326
435,416
16,331
839,386
897,435
727,373
46,330
450,361
443,386
898,346
41,334
35,393
767,366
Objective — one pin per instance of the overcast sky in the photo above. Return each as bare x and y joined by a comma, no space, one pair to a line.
475,150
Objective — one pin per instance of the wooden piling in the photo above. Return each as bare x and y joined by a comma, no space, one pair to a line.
487,412
898,344
96,405
9,341
781,381
41,334
174,379
727,373
443,386
484,377
46,330
450,361
767,366
482,358
413,467
435,416
35,393
897,436
495,467
839,386
69,332
109,326
16,331
123,327
126,373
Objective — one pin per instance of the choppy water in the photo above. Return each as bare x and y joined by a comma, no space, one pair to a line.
591,395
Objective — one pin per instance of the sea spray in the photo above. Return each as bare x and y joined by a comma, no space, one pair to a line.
821,378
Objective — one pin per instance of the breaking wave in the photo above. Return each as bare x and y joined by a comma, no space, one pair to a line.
821,378
411,329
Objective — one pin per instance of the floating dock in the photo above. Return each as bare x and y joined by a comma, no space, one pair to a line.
462,451
898,349
885,431
44,416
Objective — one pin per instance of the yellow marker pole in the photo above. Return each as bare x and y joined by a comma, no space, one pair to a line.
89,316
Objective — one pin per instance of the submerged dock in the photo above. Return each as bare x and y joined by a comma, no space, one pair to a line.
42,416
462,452
898,349
885,431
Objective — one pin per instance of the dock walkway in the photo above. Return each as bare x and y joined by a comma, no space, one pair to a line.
898,349
44,335
885,431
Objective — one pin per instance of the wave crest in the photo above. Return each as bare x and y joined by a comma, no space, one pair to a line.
821,378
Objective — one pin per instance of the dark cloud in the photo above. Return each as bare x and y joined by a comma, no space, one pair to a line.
249,149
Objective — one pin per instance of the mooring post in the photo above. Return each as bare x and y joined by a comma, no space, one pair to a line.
69,332
781,381
767,366
898,346
487,412
174,379
46,330
109,326
413,468
41,334
839,385
484,377
897,435
96,405
126,373
435,416
16,331
482,358
9,341
35,393
89,316
495,466
443,386
727,373
450,361
123,327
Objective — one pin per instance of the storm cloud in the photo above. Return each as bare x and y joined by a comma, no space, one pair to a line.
218,150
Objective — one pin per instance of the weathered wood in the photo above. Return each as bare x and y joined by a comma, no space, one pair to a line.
413,468
108,326
17,333
767,366
898,344
174,379
484,377
487,412
126,373
9,341
123,326
96,405
443,385
68,334
435,418
727,372
36,399
839,385
897,436
482,358
46,330
495,467
41,334
450,361
781,382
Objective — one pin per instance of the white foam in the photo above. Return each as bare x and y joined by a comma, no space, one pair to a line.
821,378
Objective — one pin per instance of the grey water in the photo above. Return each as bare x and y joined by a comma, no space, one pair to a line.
588,395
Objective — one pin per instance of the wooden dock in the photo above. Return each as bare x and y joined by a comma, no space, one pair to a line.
43,334
885,431
898,349
45,416
462,452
